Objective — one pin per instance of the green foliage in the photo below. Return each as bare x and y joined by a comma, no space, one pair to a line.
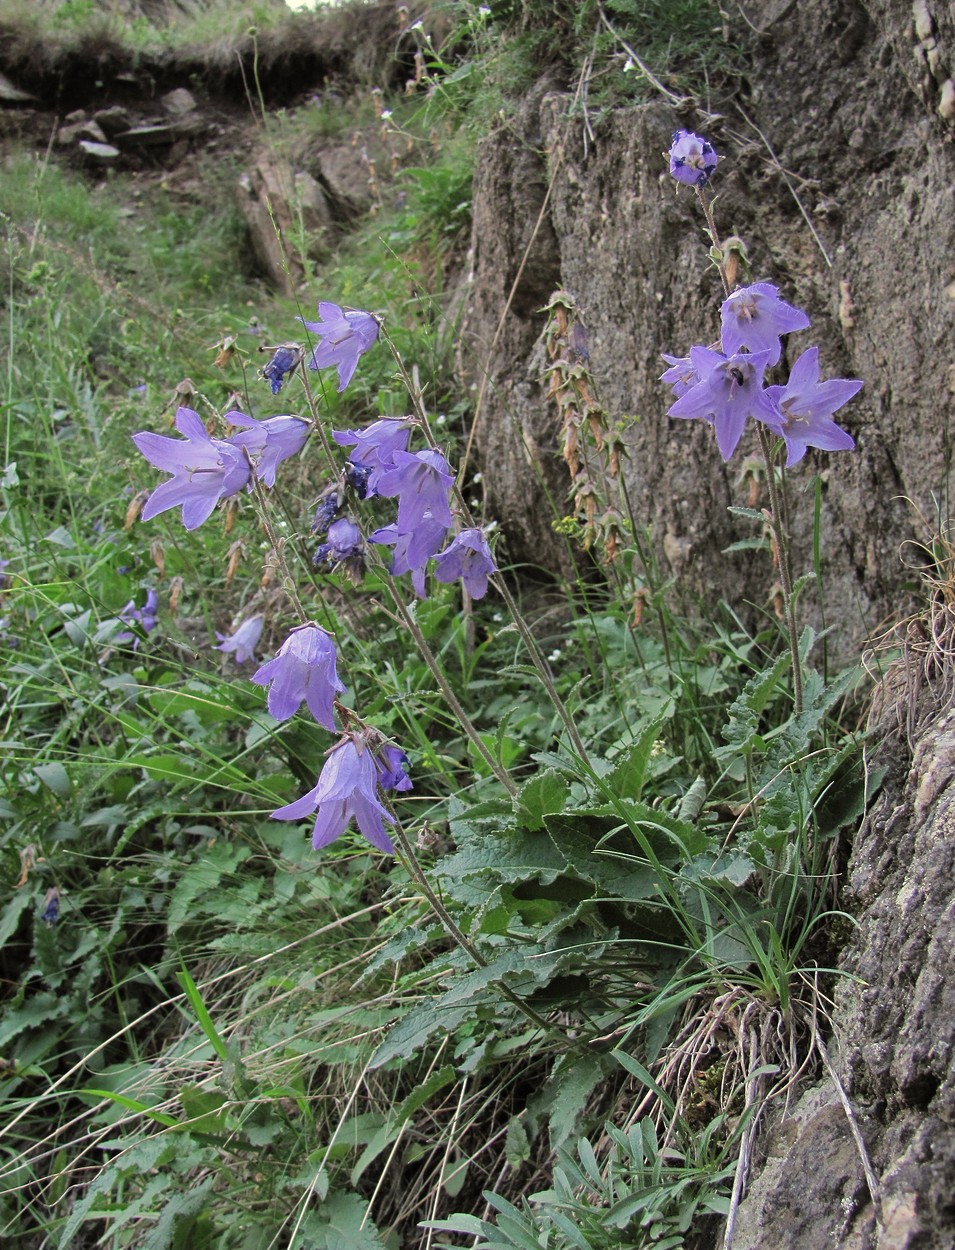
220,1039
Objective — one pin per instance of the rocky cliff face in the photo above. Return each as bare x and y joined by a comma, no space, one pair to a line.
839,173
840,176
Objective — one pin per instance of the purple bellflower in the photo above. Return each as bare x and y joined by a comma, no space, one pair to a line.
754,317
329,506
303,671
347,789
414,549
269,442
730,390
468,557
805,407
285,360
343,545
692,158
392,765
241,645
422,481
204,470
681,375
346,334
375,447
146,617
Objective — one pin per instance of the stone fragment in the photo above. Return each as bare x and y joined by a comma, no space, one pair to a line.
11,93
98,153
179,102
274,197
113,120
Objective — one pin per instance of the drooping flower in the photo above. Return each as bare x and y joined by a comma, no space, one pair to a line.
392,765
347,789
343,545
285,360
754,317
146,617
241,644
346,334
303,671
730,389
375,447
805,407
51,906
204,470
468,558
692,158
422,481
412,550
268,442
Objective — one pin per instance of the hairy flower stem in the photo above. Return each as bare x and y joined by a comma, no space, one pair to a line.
523,629
785,576
775,509
450,697
456,934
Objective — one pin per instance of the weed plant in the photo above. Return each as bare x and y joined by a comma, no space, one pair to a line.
601,947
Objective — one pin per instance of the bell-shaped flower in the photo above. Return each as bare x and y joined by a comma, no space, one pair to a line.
692,158
347,789
805,407
343,548
468,558
681,375
285,360
303,671
375,447
422,481
204,470
730,390
414,549
754,317
268,442
392,765
146,617
345,334
242,643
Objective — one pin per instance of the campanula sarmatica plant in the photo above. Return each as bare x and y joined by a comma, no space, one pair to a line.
692,159
345,334
468,558
242,643
303,671
346,790
805,407
204,470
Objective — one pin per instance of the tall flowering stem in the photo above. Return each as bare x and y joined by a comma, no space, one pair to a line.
766,447
498,583
450,697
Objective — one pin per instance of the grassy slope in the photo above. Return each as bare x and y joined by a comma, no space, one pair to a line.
190,1044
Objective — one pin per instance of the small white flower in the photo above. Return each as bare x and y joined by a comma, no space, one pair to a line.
497,618
478,477
554,655
440,419
629,65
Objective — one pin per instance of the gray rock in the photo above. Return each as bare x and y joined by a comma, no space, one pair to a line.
844,111
179,102
11,94
272,195
98,153
113,120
